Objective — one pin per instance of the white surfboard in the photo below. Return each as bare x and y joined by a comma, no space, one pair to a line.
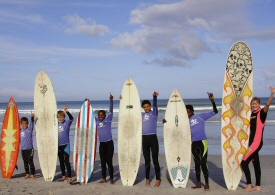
45,110
129,133
85,143
177,141
236,111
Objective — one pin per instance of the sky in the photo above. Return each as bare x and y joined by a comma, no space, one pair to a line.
89,48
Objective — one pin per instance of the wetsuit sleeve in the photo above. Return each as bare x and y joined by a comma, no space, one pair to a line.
215,107
31,124
110,115
155,105
70,116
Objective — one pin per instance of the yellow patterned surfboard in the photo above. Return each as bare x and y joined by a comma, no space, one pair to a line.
235,125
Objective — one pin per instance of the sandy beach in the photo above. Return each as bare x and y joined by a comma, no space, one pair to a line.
19,185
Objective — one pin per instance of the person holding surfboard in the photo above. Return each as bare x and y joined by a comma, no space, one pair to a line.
199,145
257,123
106,146
27,145
149,138
64,142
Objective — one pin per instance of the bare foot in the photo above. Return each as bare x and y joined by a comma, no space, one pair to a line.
197,186
27,176
103,180
248,188
157,184
112,181
256,188
147,182
206,187
63,178
70,180
33,177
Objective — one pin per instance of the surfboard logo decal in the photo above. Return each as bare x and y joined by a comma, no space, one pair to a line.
176,121
179,174
129,106
43,88
129,84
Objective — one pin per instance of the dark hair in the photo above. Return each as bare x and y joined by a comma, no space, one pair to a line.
145,102
189,107
256,99
103,111
61,113
24,119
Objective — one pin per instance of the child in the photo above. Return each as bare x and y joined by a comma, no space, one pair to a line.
106,146
27,145
199,145
257,123
149,138
64,143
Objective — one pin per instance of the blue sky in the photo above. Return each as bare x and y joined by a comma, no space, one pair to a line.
89,48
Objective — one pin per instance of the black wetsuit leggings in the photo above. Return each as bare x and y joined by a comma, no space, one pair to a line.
151,142
27,156
106,152
64,159
199,152
257,168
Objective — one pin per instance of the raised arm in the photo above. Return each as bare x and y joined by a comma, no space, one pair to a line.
111,103
68,113
269,101
211,97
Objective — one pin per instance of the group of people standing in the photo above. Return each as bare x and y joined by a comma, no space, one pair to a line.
150,146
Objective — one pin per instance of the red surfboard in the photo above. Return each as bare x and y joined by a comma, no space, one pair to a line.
10,139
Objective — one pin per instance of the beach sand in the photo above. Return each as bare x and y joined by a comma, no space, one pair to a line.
19,185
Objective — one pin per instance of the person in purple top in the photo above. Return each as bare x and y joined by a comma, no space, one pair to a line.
64,143
199,145
106,146
149,138
27,145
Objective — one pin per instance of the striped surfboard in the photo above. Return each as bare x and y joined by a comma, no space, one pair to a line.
85,143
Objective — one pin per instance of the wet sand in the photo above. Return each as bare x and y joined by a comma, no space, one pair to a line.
19,185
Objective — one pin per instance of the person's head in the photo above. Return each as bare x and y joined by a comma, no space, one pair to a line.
61,116
190,110
24,122
101,115
255,103
146,105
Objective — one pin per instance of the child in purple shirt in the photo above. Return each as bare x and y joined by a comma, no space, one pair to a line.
64,142
27,145
149,138
106,146
199,141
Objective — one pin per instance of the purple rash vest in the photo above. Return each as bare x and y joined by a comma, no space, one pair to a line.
104,128
26,137
149,119
197,124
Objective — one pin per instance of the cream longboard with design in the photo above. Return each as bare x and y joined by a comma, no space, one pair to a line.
45,110
235,126
129,133
177,141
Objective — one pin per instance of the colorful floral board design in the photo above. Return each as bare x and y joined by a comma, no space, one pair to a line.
10,139
235,126
129,133
177,141
45,110
85,143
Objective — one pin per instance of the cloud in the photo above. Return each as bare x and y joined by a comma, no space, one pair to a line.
184,30
20,59
86,27
166,62
22,93
269,73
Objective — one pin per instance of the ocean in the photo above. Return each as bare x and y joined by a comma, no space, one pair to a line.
213,125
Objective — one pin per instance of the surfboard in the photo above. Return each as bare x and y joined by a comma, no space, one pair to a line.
85,143
129,133
10,139
177,141
45,110
236,111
